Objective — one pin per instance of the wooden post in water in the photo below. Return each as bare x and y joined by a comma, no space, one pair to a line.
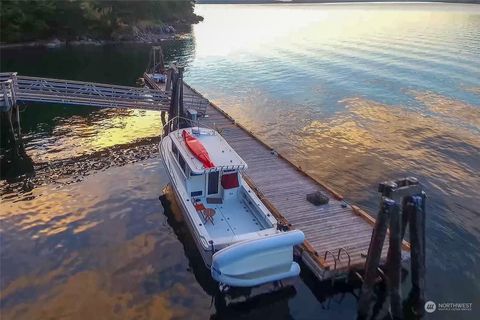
9,105
176,102
173,100
158,63
181,111
409,193
14,87
168,84
416,208
374,254
16,161
394,263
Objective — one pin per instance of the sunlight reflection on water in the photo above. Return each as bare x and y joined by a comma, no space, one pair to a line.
355,94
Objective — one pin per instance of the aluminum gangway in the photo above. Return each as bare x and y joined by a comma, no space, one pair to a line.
37,89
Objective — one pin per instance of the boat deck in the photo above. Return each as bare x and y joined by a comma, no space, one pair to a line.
231,219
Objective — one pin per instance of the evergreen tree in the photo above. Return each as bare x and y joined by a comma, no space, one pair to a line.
25,20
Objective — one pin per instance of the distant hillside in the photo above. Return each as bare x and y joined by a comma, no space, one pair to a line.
101,19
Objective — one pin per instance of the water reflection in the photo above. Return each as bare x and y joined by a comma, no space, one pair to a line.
395,137
96,249
463,114
103,249
354,96
15,162
360,94
79,135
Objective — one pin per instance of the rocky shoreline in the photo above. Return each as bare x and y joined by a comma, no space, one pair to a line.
142,33
71,170
149,35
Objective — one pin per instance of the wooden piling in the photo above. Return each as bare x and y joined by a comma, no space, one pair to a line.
181,111
416,210
174,102
374,253
9,108
168,84
14,87
394,263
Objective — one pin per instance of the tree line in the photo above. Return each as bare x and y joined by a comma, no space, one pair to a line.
27,20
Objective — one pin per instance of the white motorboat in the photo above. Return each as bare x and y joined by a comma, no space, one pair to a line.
237,236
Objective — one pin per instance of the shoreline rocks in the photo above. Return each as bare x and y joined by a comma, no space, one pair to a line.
146,34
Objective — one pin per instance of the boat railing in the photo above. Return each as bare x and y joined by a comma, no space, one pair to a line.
178,119
226,168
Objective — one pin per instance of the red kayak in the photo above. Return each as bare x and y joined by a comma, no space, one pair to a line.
197,149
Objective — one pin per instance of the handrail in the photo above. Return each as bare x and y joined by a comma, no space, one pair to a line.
63,81
334,259
348,254
335,264
85,93
193,123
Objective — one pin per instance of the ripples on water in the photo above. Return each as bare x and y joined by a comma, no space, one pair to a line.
100,249
355,94
357,97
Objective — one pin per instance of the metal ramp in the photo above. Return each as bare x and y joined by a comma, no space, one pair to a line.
35,89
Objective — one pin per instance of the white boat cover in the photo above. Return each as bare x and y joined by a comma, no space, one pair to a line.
254,262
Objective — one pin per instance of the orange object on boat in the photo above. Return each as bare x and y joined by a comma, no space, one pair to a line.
197,149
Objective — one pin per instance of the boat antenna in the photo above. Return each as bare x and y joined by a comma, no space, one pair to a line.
179,95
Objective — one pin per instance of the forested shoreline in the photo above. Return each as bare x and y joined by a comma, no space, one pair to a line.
70,20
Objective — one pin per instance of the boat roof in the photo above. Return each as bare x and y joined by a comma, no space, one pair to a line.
222,155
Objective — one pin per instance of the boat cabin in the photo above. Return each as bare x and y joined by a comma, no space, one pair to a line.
216,183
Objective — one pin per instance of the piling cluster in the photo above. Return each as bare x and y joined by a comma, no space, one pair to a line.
402,203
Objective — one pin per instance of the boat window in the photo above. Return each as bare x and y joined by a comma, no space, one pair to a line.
175,151
213,182
182,163
230,181
196,193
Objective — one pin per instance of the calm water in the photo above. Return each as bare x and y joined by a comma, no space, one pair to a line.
355,94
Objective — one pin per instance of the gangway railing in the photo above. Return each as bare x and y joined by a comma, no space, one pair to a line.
36,89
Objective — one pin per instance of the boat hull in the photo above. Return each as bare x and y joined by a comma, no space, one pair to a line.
205,252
